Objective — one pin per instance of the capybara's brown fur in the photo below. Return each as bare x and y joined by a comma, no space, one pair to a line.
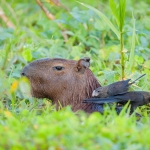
65,82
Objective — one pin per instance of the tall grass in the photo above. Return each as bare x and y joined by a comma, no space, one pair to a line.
64,130
131,58
118,10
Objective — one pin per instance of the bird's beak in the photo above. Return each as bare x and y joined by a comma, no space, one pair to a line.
95,94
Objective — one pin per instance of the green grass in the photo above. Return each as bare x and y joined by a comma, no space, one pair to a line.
49,129
29,123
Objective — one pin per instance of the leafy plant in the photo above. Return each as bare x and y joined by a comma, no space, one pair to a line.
30,123
119,15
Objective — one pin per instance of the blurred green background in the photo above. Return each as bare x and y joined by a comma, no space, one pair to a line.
27,34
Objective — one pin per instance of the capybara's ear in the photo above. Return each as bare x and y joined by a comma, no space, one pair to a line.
82,64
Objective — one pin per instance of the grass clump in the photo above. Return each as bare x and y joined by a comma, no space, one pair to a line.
117,41
65,130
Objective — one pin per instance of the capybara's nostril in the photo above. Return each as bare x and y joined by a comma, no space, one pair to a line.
24,71
23,74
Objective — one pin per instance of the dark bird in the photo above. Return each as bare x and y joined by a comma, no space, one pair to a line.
115,88
136,98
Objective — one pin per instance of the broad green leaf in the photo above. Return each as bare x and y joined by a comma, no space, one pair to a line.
104,18
27,55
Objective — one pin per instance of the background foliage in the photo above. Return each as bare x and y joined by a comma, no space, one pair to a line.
28,123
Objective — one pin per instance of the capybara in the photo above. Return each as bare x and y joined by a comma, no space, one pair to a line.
65,82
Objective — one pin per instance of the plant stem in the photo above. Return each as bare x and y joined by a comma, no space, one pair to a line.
122,54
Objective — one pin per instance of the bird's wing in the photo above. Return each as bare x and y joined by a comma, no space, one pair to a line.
120,98
133,96
102,100
137,79
119,87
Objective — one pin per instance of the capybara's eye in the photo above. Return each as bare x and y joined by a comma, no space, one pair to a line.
59,68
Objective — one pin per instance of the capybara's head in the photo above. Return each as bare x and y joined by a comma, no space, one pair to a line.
65,82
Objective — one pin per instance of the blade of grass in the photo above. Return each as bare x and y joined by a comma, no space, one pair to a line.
115,11
131,58
122,9
7,51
